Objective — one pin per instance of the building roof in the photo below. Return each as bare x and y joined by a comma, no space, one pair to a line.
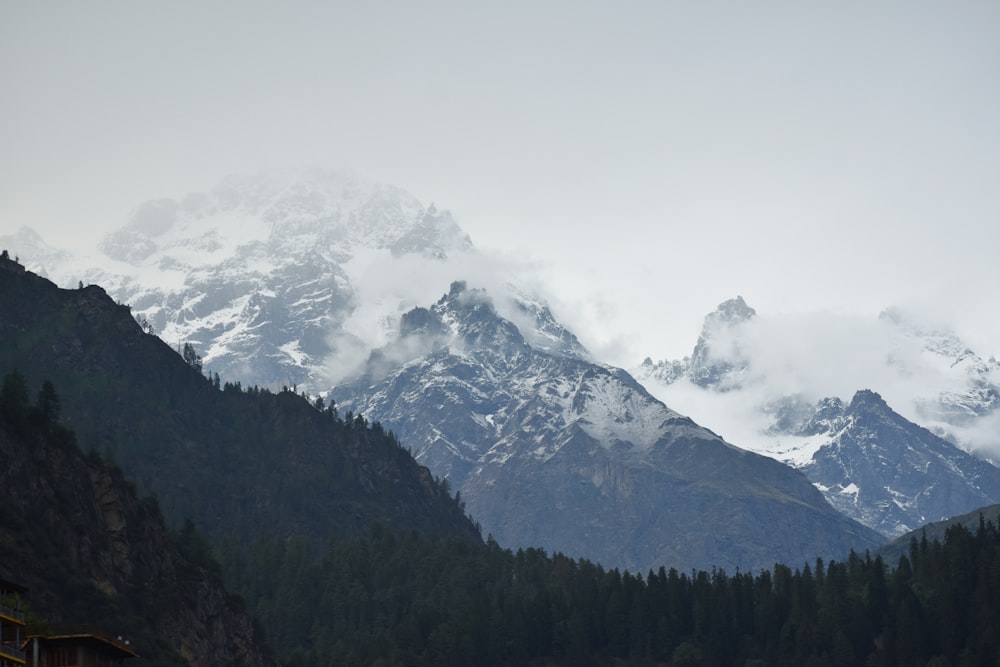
117,648
11,587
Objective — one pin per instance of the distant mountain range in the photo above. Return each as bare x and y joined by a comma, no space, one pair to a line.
261,272
545,446
268,277
956,386
550,448
869,461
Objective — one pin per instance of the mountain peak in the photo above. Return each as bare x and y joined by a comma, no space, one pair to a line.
264,272
717,360
731,310
894,475
714,361
287,213
549,448
866,398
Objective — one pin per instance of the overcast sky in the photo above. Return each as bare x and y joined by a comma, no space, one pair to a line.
655,158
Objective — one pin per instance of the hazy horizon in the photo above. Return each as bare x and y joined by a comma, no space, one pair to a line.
648,161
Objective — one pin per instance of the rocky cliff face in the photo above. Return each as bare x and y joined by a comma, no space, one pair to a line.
92,553
891,474
718,360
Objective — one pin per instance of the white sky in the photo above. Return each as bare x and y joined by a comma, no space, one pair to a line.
655,157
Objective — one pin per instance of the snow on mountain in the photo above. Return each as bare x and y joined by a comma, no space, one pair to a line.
294,278
31,251
781,365
550,448
759,383
893,475
972,389
718,359
261,274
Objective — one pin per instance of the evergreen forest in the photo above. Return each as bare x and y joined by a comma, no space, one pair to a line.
408,599
393,597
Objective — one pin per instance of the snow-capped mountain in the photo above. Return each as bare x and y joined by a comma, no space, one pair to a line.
889,473
717,361
870,462
267,276
260,273
549,448
974,390
948,387
35,252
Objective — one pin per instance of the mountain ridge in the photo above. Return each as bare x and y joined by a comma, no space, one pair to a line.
217,454
550,448
91,552
909,475
845,449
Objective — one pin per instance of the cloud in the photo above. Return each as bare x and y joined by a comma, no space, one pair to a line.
734,415
386,287
982,436
815,355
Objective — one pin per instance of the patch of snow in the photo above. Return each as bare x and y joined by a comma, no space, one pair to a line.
294,352
615,412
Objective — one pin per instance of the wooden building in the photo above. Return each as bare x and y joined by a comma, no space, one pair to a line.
68,649
77,650
11,624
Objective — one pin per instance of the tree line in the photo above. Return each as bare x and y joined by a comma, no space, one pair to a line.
410,599
406,598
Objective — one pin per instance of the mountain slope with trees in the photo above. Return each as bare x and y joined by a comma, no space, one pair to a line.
406,599
551,449
423,593
92,554
238,462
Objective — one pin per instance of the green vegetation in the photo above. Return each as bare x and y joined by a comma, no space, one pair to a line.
388,599
237,461
348,553
34,541
406,598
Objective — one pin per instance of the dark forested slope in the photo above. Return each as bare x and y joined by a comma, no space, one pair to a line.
94,556
411,600
240,463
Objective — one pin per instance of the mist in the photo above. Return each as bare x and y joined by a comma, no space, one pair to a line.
816,355
385,287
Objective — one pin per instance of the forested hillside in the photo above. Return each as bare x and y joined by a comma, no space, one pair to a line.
239,462
349,553
406,599
97,558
